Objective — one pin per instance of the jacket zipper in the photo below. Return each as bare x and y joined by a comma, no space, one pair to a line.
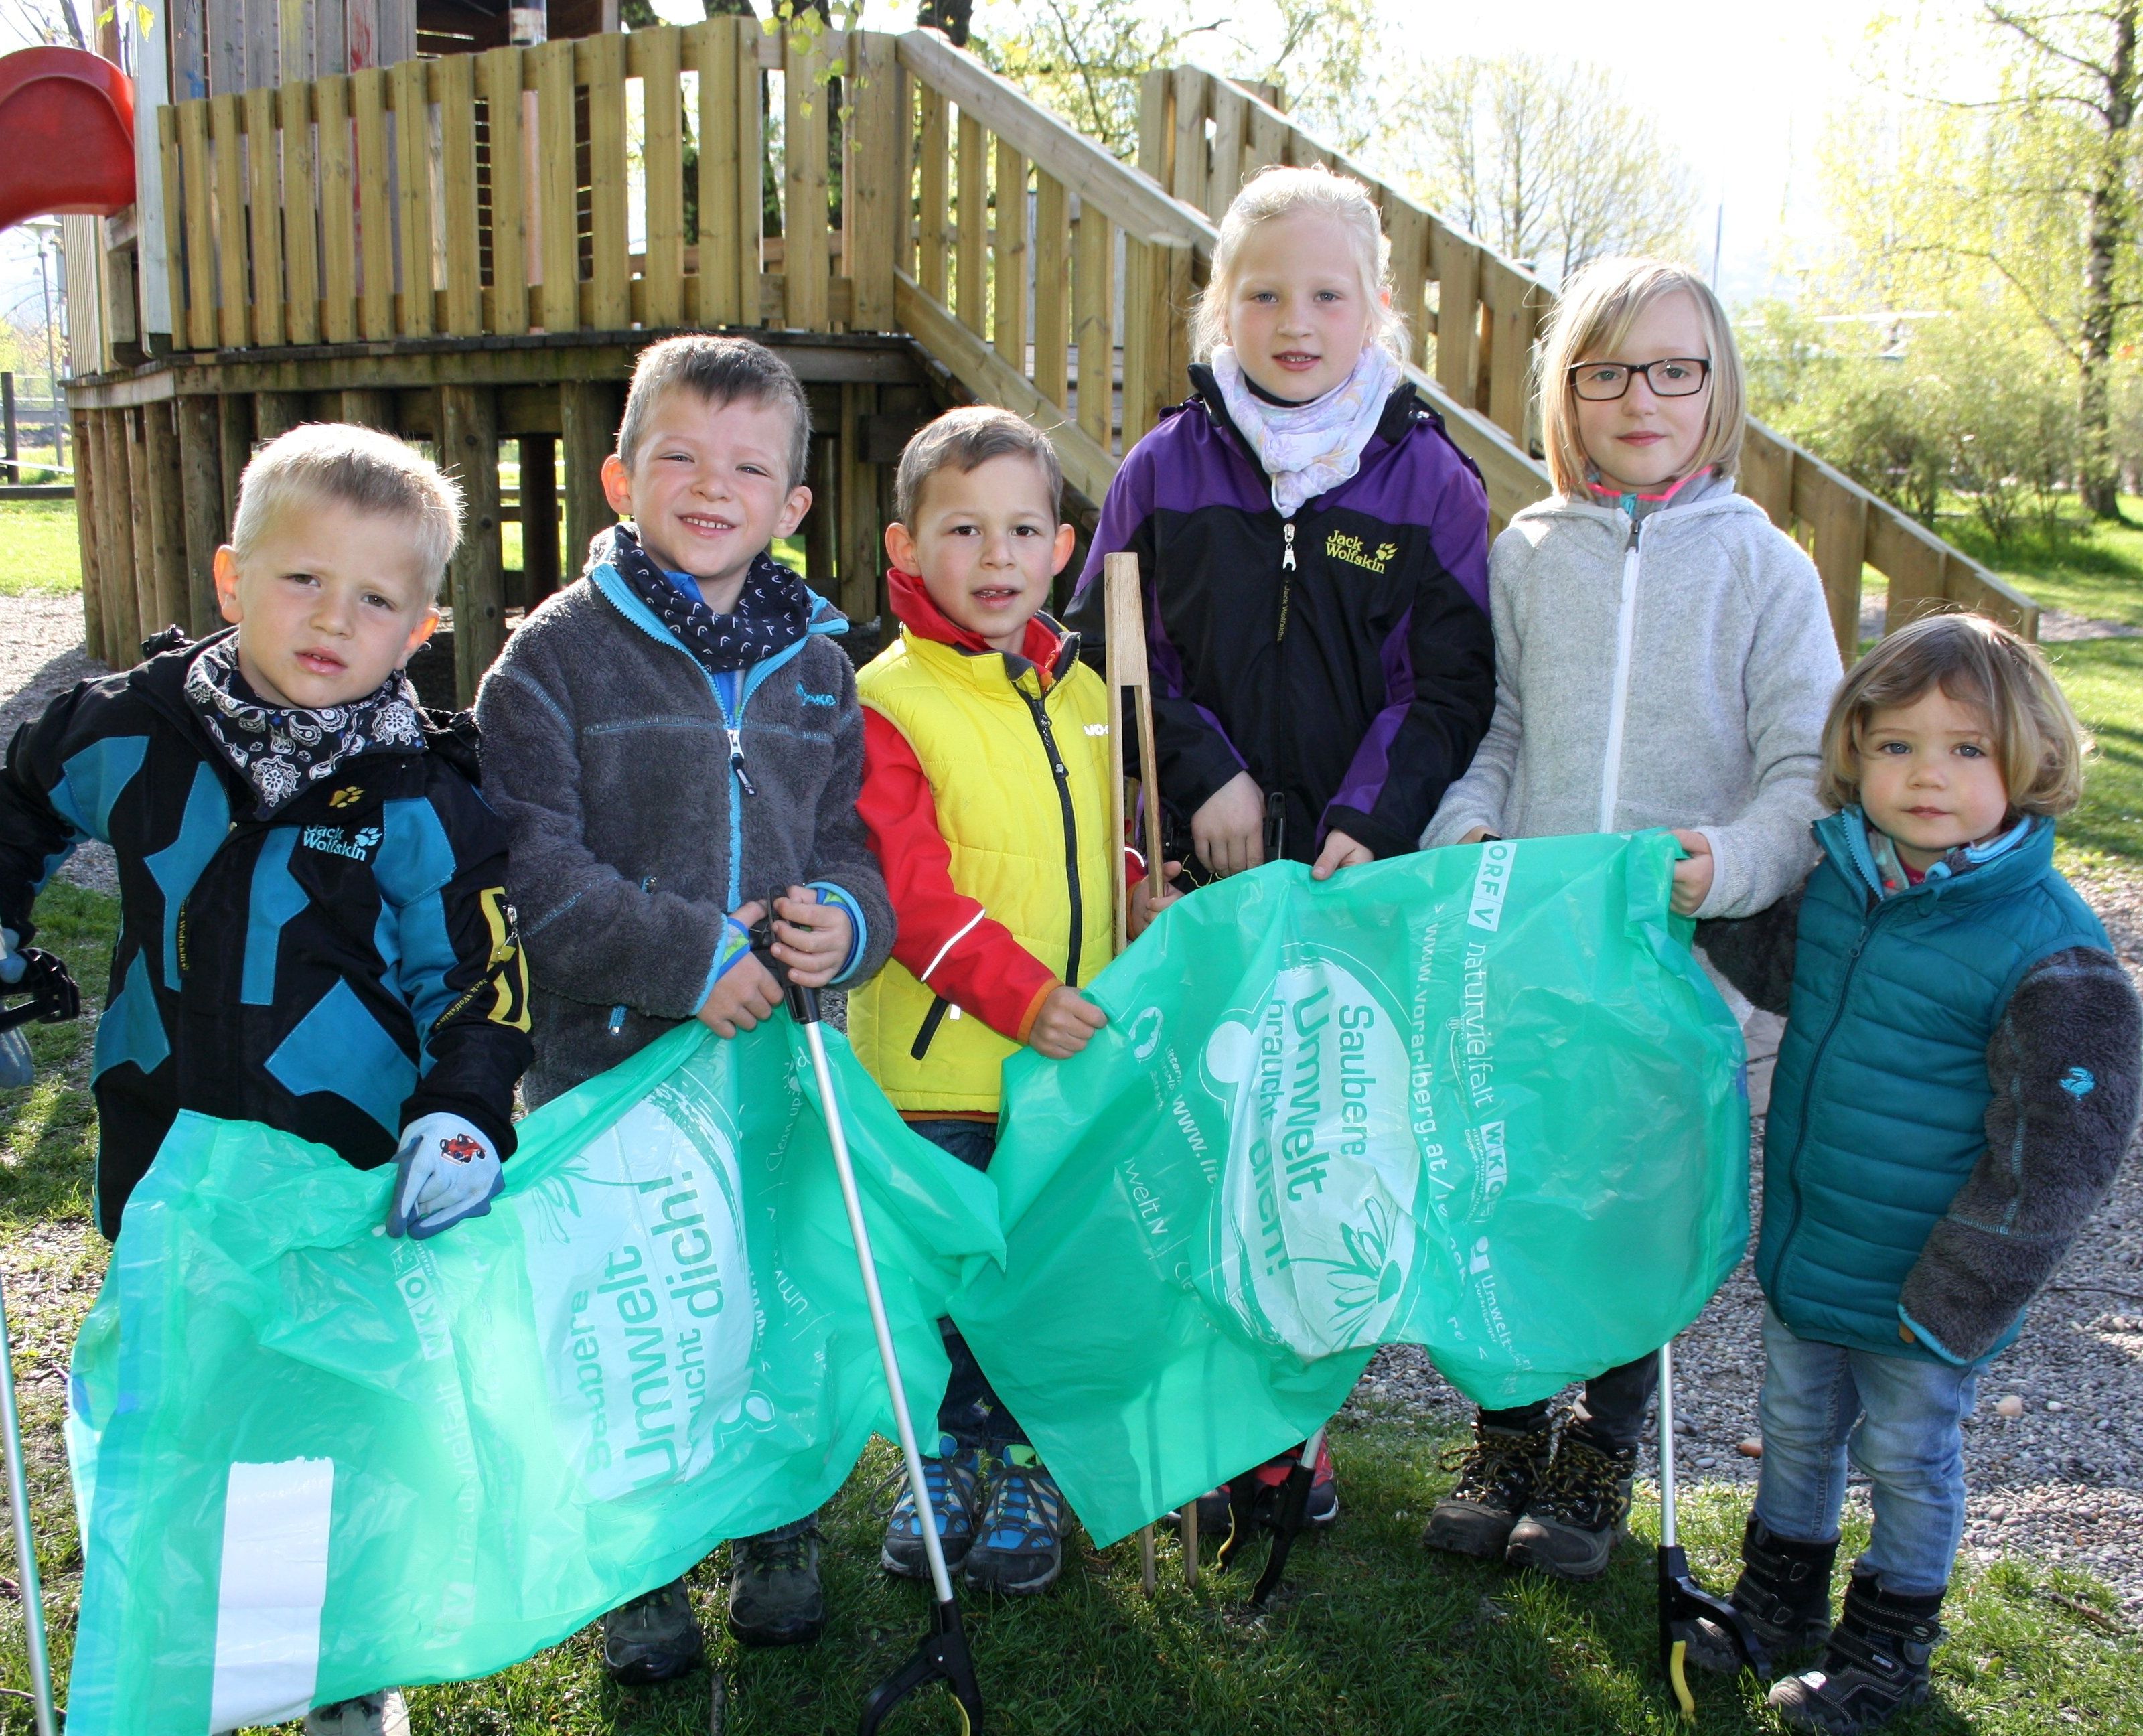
1618,705
1040,708
1286,584
1815,1066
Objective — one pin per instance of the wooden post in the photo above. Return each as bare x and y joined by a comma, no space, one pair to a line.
122,620
539,518
139,508
1124,655
277,413
86,482
235,429
857,504
200,477
873,185
468,445
369,409
167,516
1840,519
587,414
818,533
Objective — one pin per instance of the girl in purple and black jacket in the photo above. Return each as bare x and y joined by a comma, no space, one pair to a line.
1313,551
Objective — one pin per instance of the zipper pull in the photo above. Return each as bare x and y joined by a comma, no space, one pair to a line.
736,762
1287,556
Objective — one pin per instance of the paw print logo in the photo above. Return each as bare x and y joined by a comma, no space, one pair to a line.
347,796
1385,551
460,1148
367,837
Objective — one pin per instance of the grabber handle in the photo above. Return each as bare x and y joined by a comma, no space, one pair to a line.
941,1656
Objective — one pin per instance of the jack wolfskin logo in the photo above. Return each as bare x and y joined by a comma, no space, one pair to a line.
331,841
347,796
1490,882
2078,1082
1355,552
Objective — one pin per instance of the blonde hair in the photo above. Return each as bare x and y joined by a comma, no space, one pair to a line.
365,470
965,440
1592,320
1280,192
2038,743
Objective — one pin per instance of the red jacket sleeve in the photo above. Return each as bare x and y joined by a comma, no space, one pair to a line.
944,937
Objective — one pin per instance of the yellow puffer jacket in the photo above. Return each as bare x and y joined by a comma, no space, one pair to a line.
1020,777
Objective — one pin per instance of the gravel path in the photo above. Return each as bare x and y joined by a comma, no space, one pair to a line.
2062,1481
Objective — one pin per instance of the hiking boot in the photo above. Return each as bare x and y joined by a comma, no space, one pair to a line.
1875,1665
655,1637
774,1596
1581,1506
1020,1547
954,1480
1496,1476
369,1714
1785,1592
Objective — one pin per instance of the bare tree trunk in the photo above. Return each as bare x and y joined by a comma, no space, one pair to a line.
2110,221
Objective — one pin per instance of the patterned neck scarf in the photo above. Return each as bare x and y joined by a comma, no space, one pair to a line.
283,751
773,610
1308,449
1897,875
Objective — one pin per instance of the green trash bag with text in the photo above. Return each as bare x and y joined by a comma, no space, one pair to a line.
312,1460
1482,1099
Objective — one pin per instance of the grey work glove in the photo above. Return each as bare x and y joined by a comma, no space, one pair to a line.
448,1172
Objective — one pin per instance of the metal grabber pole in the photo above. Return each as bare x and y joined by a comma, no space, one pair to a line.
1291,1502
1683,1602
26,1547
943,1654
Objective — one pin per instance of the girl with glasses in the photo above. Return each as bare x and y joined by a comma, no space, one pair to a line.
1664,658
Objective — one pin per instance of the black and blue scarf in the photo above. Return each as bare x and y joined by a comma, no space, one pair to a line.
773,610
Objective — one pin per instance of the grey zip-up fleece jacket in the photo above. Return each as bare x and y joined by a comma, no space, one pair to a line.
1675,672
606,752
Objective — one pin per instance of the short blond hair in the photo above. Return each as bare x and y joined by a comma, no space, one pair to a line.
964,440
2038,744
1592,320
362,468
717,370
1280,192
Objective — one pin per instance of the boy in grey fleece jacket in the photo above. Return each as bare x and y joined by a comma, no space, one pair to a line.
1664,658
669,741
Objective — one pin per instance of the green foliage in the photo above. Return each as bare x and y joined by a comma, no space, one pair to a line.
48,1128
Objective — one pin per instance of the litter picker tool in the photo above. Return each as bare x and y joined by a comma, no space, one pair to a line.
1290,1502
1124,648
26,1547
942,1655
1682,1601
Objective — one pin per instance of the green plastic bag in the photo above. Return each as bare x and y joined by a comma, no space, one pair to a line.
1482,1100
312,1460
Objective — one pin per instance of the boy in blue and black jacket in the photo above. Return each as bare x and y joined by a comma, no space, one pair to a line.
314,925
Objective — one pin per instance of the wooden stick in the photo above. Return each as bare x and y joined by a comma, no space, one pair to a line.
1145,1558
1188,1519
1124,647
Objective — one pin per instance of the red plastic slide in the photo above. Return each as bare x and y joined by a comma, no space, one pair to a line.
67,135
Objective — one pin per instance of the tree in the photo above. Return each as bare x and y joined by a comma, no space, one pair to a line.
1543,158
1086,58
56,21
955,17
2014,204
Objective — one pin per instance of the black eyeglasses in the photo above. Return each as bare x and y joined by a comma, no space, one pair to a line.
1676,377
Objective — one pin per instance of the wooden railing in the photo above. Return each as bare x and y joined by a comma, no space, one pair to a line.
295,220
1474,318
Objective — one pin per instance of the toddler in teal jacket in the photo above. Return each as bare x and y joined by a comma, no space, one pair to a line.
1956,1089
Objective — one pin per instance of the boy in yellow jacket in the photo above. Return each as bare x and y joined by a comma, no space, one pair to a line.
986,756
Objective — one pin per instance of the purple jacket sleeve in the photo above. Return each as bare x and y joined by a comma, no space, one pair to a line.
1439,680
1196,757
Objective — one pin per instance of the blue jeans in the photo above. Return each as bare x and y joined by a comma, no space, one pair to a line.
971,1414
1900,1420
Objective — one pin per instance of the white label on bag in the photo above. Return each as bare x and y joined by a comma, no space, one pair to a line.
273,1584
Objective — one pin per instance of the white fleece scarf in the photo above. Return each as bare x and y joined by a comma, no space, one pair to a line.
1309,448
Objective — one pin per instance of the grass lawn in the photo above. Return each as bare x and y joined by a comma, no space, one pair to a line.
1372,1635
42,552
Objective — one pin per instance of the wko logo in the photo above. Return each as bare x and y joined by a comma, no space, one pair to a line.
1490,881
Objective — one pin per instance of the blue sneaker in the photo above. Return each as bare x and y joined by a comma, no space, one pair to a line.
1020,1549
954,1479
